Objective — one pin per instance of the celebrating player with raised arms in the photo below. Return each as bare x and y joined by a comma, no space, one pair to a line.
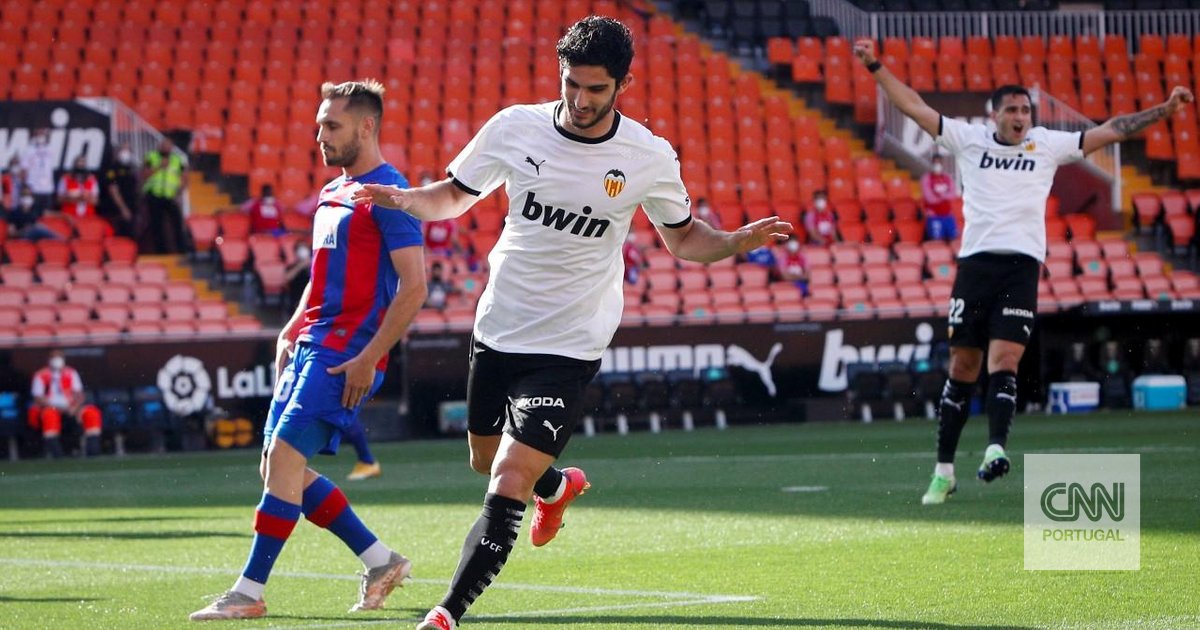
1006,177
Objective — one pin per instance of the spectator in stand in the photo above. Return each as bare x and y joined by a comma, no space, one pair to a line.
441,238
793,267
765,257
298,273
24,222
165,176
38,162
439,287
119,192
78,191
13,185
266,217
57,396
308,205
634,259
819,221
705,213
939,194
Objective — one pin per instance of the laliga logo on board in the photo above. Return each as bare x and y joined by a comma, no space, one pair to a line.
614,182
186,385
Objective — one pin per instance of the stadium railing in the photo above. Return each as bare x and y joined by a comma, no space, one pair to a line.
854,22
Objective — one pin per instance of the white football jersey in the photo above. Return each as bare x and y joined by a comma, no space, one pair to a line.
557,271
1005,187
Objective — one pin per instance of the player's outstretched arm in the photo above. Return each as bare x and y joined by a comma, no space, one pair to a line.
1124,127
699,242
897,92
435,202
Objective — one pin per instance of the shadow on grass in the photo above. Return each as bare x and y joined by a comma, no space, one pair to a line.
163,535
111,519
734,622
48,600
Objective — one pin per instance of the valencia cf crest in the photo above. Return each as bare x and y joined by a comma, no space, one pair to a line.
614,182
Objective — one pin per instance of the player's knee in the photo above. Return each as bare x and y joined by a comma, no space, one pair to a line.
51,421
481,463
91,420
512,483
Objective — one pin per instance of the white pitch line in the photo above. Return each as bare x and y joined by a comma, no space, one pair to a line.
549,588
717,599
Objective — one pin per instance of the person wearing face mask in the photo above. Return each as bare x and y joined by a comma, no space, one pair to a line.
119,192
439,287
38,161
939,194
78,191
266,217
1007,171
793,267
58,398
24,223
819,221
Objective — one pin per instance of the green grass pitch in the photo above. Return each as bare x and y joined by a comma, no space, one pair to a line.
680,530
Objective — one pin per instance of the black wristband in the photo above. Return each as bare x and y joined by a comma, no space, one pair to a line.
874,66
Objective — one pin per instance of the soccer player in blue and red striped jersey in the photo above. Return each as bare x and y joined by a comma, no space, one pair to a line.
367,284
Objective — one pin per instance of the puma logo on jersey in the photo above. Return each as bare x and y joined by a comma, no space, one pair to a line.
537,166
564,220
553,429
1017,163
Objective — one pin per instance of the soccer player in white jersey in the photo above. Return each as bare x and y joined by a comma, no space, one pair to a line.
1006,177
575,172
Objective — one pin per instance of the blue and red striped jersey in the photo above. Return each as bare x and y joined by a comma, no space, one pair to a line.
353,279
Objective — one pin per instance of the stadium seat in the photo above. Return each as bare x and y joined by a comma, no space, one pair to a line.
120,249
203,230
151,272
87,252
41,295
54,252
120,273
86,273
21,253
147,292
53,275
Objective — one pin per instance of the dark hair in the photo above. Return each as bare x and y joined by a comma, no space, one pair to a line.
820,192
1007,90
598,41
364,96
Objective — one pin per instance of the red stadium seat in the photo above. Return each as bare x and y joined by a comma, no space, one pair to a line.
203,230
21,253
120,249
54,252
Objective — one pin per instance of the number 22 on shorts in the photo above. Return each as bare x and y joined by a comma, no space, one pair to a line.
957,305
